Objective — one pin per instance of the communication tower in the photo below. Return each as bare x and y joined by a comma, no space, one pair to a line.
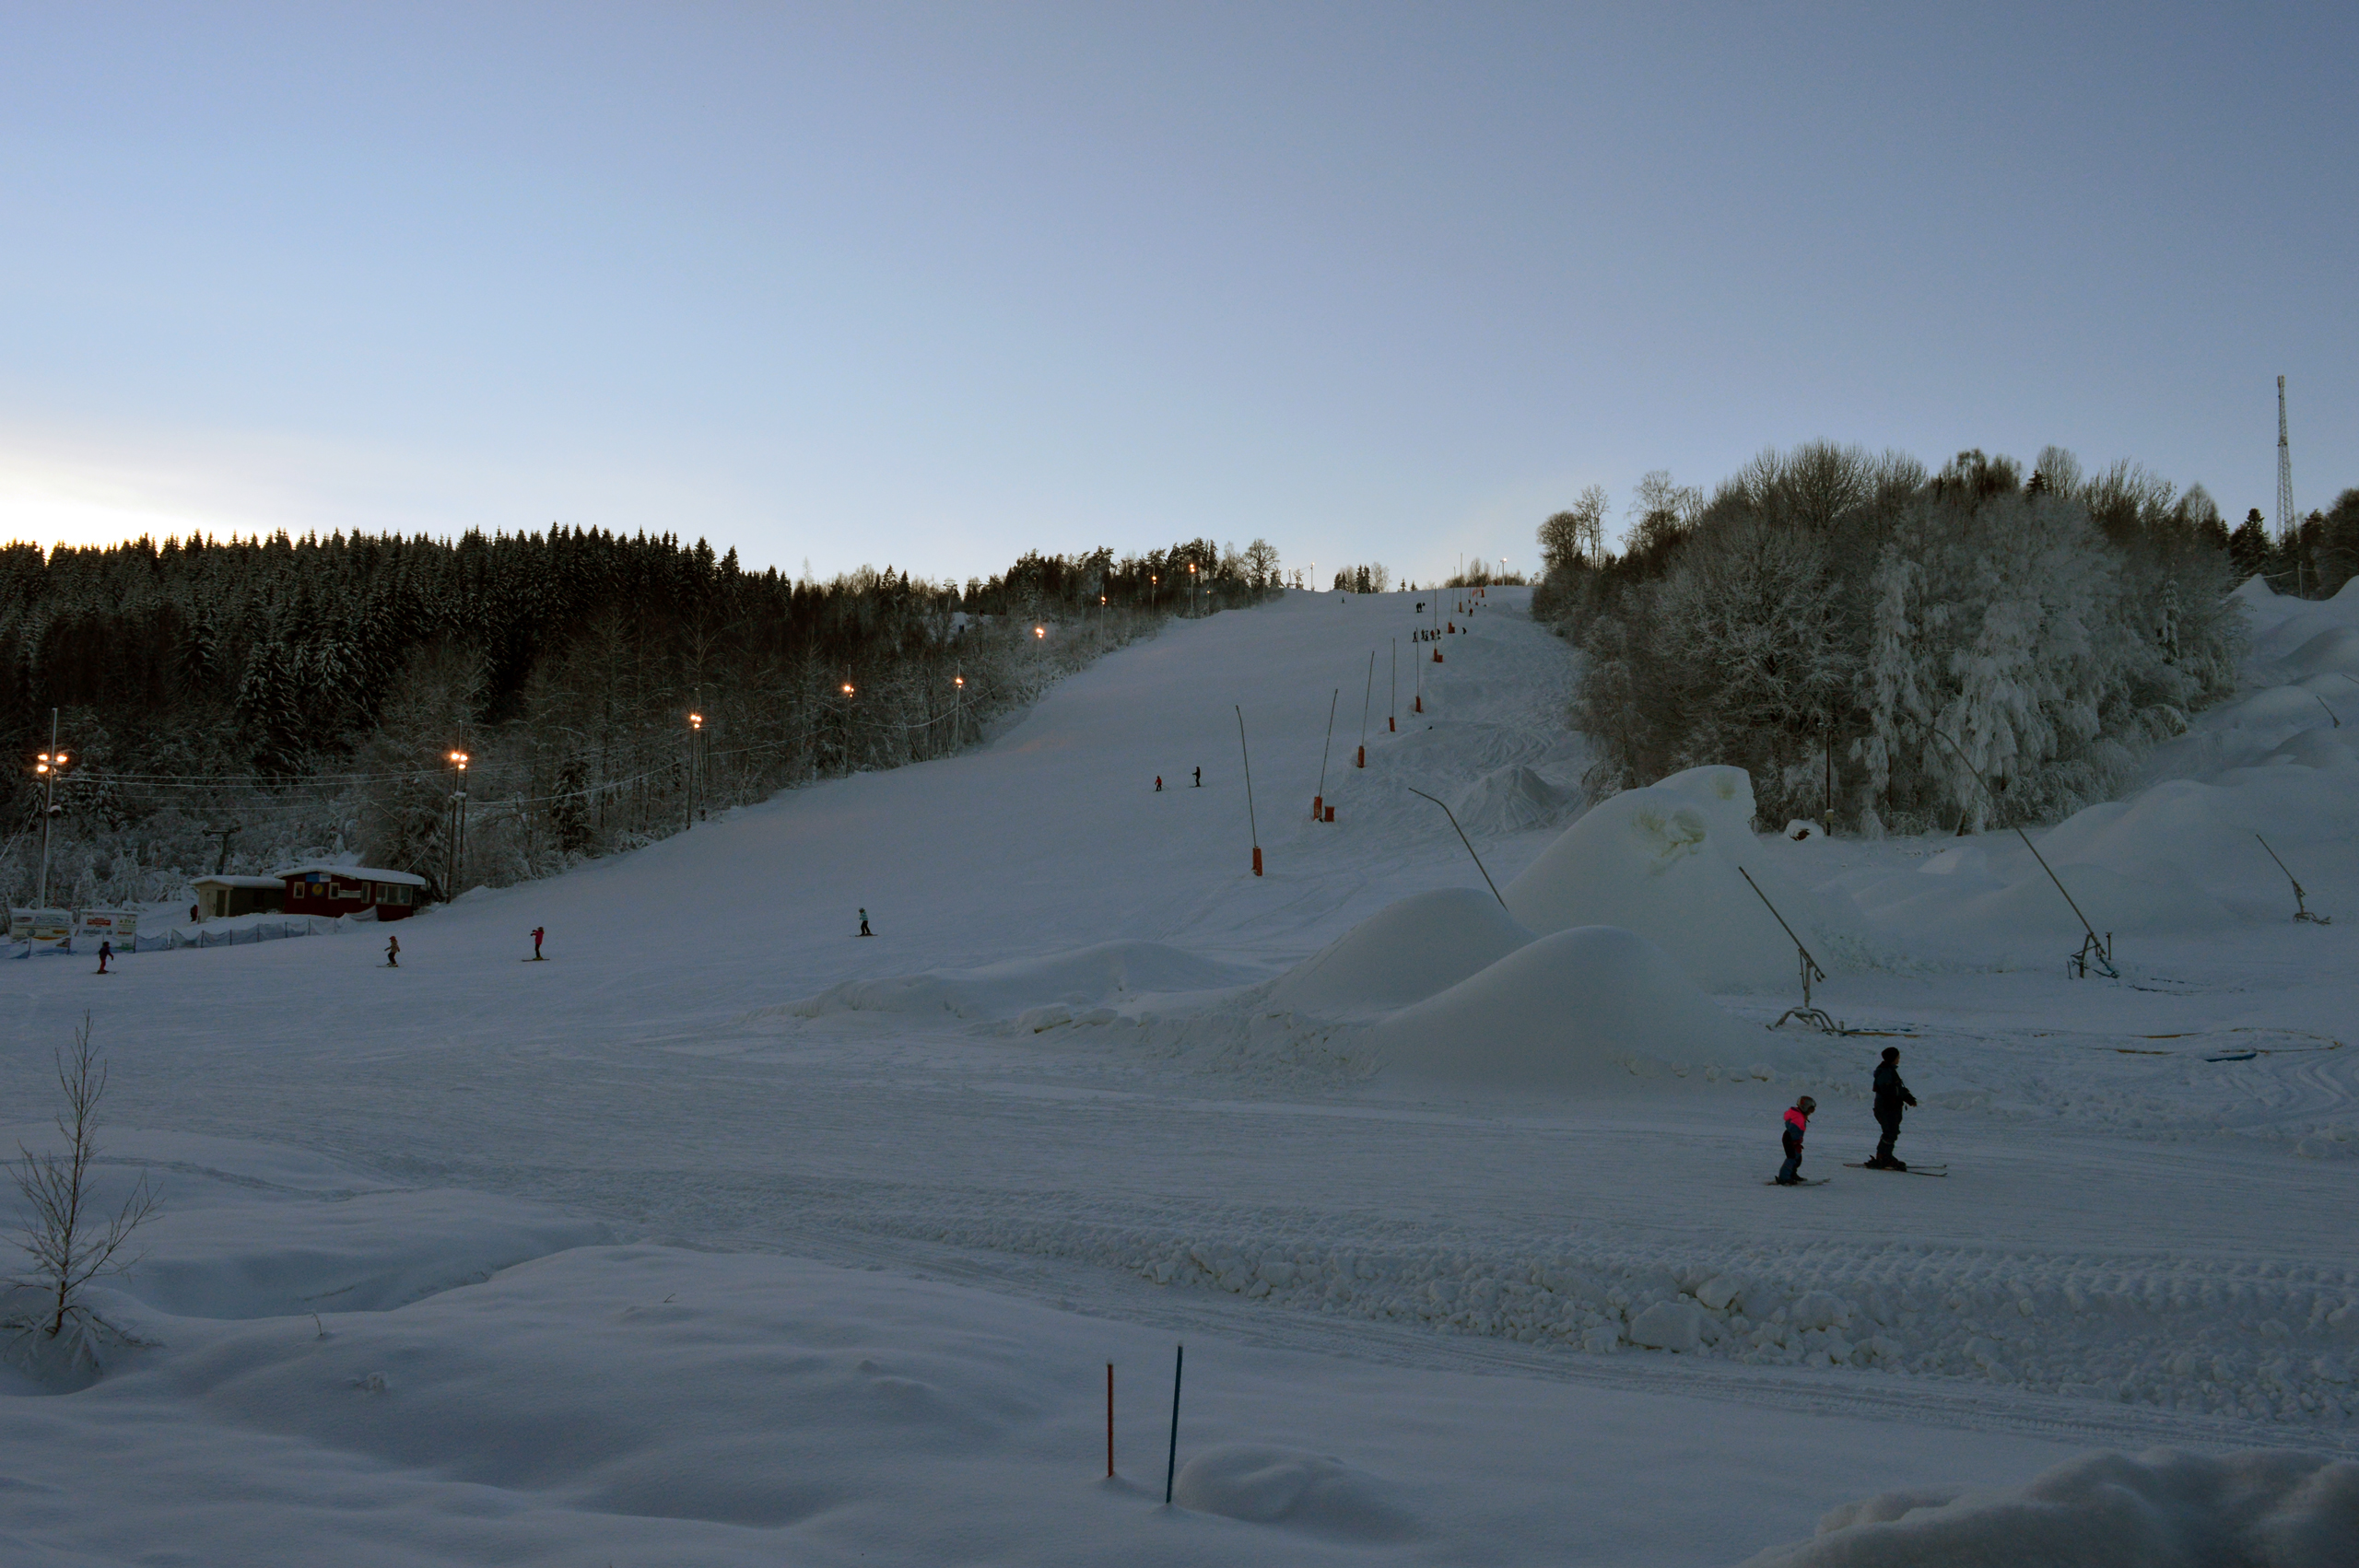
2284,470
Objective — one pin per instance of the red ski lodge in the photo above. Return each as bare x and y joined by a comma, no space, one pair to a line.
328,891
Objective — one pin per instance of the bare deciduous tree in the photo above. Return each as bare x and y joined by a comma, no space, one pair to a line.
70,1240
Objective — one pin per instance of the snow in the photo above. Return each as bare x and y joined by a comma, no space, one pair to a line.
1401,954
2257,1510
727,1235
1669,862
1577,1009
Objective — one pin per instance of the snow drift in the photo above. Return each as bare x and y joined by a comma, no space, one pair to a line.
1401,954
1575,1009
1094,974
2264,1509
1511,800
1264,1484
1663,861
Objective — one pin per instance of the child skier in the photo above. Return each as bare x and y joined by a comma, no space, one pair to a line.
1890,1095
393,951
536,944
1200,778
106,951
1797,1123
1159,783
864,924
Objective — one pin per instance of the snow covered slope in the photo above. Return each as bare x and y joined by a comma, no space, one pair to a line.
1103,1088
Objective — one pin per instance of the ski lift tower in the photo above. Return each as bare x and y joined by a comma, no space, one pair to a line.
2284,470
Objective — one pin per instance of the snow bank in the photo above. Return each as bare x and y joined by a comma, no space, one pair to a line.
2163,1509
1575,1009
1511,800
1401,954
250,1230
1264,1484
1086,975
1663,861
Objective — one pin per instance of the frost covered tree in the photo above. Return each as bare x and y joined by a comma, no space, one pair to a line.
1903,650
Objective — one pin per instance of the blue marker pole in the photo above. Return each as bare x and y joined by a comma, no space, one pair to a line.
1171,1464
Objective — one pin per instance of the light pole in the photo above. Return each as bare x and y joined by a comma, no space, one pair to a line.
458,817
695,733
50,764
1192,587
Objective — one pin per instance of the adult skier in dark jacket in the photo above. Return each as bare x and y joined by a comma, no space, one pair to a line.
1890,1095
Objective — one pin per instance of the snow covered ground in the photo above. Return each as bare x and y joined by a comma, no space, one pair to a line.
727,1234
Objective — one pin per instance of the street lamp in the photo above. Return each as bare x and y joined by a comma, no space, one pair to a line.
1192,587
695,729
48,766
458,817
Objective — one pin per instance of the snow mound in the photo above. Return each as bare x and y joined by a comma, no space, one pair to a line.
1085,974
1511,800
1575,1009
2333,652
2261,1509
1264,1484
1401,954
1664,861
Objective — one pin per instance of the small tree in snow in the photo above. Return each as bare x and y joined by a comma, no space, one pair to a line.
68,1238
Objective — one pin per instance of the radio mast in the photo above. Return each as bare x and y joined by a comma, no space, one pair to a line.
2284,470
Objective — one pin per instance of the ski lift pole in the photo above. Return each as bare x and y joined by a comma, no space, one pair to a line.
1809,964
1366,698
1250,823
2104,950
1332,699
2301,907
1468,842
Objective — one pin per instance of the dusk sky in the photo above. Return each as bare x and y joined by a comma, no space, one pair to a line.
933,285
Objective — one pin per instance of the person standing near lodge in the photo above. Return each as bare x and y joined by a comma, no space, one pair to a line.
1892,1095
106,951
393,951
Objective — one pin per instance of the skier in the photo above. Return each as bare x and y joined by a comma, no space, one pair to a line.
1890,1095
393,951
1200,778
1159,783
864,924
1797,1123
106,951
536,944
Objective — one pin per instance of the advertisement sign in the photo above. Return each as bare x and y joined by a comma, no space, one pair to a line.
120,926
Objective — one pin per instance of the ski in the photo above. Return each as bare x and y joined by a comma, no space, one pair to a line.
1806,1181
1911,1170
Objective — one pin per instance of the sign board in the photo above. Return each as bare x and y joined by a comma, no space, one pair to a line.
120,926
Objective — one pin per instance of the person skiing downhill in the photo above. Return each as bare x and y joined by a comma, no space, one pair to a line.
864,924
1797,1123
1892,1095
536,944
1200,778
1159,783
393,951
106,951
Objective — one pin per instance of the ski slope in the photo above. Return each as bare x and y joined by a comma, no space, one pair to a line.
1460,1212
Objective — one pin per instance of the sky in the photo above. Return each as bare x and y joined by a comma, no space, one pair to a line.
932,285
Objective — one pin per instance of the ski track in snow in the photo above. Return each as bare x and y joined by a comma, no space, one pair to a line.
2135,1244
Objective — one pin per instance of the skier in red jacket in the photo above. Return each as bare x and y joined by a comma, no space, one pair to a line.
1797,1123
